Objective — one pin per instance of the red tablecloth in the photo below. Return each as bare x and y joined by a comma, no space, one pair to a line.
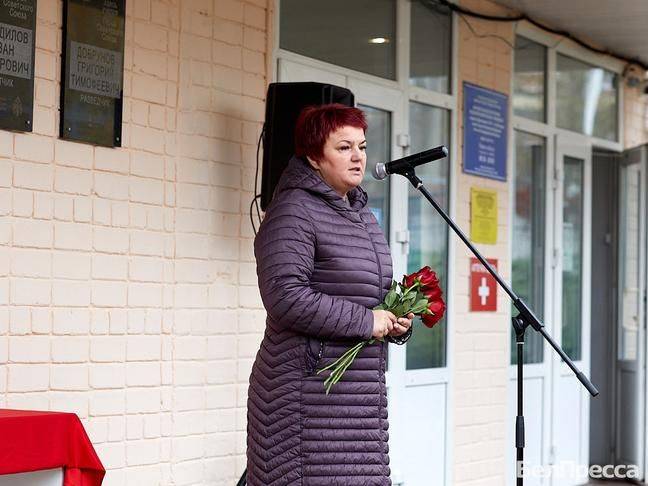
32,441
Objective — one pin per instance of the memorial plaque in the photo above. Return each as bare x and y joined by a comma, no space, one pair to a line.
92,95
17,42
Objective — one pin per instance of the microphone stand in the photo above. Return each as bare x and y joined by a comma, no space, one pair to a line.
520,322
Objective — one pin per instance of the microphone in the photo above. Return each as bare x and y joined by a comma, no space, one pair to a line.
399,166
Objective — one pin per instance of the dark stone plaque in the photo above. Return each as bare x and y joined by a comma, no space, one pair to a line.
17,43
92,70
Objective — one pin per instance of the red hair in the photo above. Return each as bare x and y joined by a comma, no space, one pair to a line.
316,123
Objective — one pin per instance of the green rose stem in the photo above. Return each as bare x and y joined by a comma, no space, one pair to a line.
341,364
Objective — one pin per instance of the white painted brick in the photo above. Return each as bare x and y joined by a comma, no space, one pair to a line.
100,321
152,426
193,196
110,240
82,210
19,320
112,160
23,203
73,154
113,456
120,214
63,207
192,271
143,400
188,373
97,429
148,191
71,264
143,348
111,186
29,349
68,349
107,375
187,423
147,165
118,321
34,234
73,181
101,212
221,396
32,176
187,448
116,428
71,321
137,215
41,320
144,295
43,205
31,263
28,377
5,179
134,427
155,218
112,267
143,374
6,202
37,148
222,372
108,349
5,261
72,236
192,246
70,293
109,294
142,452
69,377
145,269
108,402
30,291
191,296
147,243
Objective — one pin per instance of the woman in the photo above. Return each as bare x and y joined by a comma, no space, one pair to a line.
323,264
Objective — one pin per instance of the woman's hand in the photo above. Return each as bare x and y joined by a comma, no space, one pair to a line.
383,323
402,325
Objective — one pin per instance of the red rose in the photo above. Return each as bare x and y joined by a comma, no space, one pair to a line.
425,276
435,293
437,308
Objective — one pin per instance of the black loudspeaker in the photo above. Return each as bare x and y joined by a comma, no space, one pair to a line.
284,103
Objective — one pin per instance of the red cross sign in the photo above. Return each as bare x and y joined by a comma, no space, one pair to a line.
483,288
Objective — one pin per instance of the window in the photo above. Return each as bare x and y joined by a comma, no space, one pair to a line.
529,79
572,259
359,35
529,236
587,98
378,150
429,127
430,46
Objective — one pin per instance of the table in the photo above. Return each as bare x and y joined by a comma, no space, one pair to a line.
35,441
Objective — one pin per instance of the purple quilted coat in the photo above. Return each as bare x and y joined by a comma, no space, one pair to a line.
322,264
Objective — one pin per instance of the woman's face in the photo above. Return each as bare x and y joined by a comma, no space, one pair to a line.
343,160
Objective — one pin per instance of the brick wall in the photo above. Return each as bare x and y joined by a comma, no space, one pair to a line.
128,290
481,340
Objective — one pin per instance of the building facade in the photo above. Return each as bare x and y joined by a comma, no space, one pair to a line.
128,291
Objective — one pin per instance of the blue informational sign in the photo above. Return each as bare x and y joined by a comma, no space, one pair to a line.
485,132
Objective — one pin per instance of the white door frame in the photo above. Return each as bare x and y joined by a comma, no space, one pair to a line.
569,144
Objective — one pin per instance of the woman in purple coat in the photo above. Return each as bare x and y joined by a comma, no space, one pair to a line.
323,265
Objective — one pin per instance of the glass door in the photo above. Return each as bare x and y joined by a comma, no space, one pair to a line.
630,355
569,443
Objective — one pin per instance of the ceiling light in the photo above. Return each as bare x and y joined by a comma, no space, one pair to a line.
379,40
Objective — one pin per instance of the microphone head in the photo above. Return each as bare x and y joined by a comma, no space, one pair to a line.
379,172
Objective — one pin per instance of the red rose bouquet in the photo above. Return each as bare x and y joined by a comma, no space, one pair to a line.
419,293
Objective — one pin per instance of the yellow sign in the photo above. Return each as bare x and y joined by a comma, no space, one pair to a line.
483,216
